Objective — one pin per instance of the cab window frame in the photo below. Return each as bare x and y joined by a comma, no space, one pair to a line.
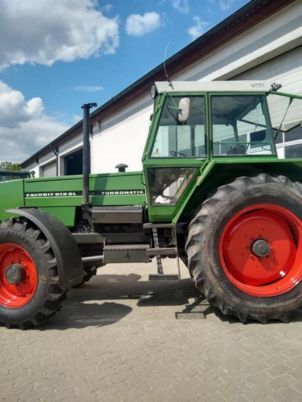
202,95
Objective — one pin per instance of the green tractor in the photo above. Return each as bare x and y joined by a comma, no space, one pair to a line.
212,193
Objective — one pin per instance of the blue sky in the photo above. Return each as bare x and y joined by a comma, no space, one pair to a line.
55,56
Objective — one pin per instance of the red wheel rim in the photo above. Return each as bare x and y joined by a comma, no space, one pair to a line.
21,291
277,267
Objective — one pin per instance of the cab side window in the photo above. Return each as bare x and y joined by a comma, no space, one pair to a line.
240,126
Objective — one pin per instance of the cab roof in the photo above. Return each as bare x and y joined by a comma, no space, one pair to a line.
213,86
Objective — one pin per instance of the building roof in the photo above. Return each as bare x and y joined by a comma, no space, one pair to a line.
212,86
246,17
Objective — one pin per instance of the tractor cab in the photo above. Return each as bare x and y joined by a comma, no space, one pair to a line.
199,123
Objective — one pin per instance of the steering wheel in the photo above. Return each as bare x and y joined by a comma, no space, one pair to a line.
175,153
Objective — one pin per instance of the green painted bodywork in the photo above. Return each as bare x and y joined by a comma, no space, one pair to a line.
62,196
11,196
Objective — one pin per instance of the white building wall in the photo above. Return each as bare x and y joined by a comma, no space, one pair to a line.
34,167
122,138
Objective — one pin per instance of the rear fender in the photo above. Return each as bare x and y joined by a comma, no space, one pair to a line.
67,253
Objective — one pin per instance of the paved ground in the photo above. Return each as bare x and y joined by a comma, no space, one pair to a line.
104,346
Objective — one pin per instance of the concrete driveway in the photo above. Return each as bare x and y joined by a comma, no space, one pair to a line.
105,345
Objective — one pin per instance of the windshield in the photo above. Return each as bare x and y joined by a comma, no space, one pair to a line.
175,138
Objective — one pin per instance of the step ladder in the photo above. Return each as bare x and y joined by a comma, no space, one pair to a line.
160,252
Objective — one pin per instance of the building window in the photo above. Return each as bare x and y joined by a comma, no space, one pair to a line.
293,151
278,136
293,134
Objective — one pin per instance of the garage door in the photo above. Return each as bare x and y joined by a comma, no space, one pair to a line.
285,69
48,170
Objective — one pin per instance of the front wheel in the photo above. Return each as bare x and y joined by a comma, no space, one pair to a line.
29,289
245,248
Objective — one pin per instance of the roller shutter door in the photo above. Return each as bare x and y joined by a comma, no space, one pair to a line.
285,69
48,170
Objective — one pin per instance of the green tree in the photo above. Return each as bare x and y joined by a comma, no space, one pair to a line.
10,166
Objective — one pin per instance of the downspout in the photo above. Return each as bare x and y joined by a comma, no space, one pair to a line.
55,151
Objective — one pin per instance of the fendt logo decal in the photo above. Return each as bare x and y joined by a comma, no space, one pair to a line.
50,194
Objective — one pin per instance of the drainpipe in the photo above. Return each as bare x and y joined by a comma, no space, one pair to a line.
56,152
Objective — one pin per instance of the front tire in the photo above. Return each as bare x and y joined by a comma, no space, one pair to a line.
245,248
29,282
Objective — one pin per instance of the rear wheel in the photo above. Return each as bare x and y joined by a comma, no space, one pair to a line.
29,290
245,248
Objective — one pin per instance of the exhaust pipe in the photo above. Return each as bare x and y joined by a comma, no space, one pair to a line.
86,151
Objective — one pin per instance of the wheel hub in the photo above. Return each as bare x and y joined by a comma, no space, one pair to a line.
14,274
261,248
18,276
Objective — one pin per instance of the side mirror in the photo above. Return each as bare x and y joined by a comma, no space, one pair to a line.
184,109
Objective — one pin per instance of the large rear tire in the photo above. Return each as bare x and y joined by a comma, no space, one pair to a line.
245,248
29,281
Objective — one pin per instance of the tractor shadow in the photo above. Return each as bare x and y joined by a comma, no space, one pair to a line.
103,301
127,287
76,314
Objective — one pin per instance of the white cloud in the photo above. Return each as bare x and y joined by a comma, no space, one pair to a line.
24,126
15,109
198,28
139,25
106,8
89,88
182,6
43,32
225,4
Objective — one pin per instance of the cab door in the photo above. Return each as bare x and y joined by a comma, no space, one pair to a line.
175,152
